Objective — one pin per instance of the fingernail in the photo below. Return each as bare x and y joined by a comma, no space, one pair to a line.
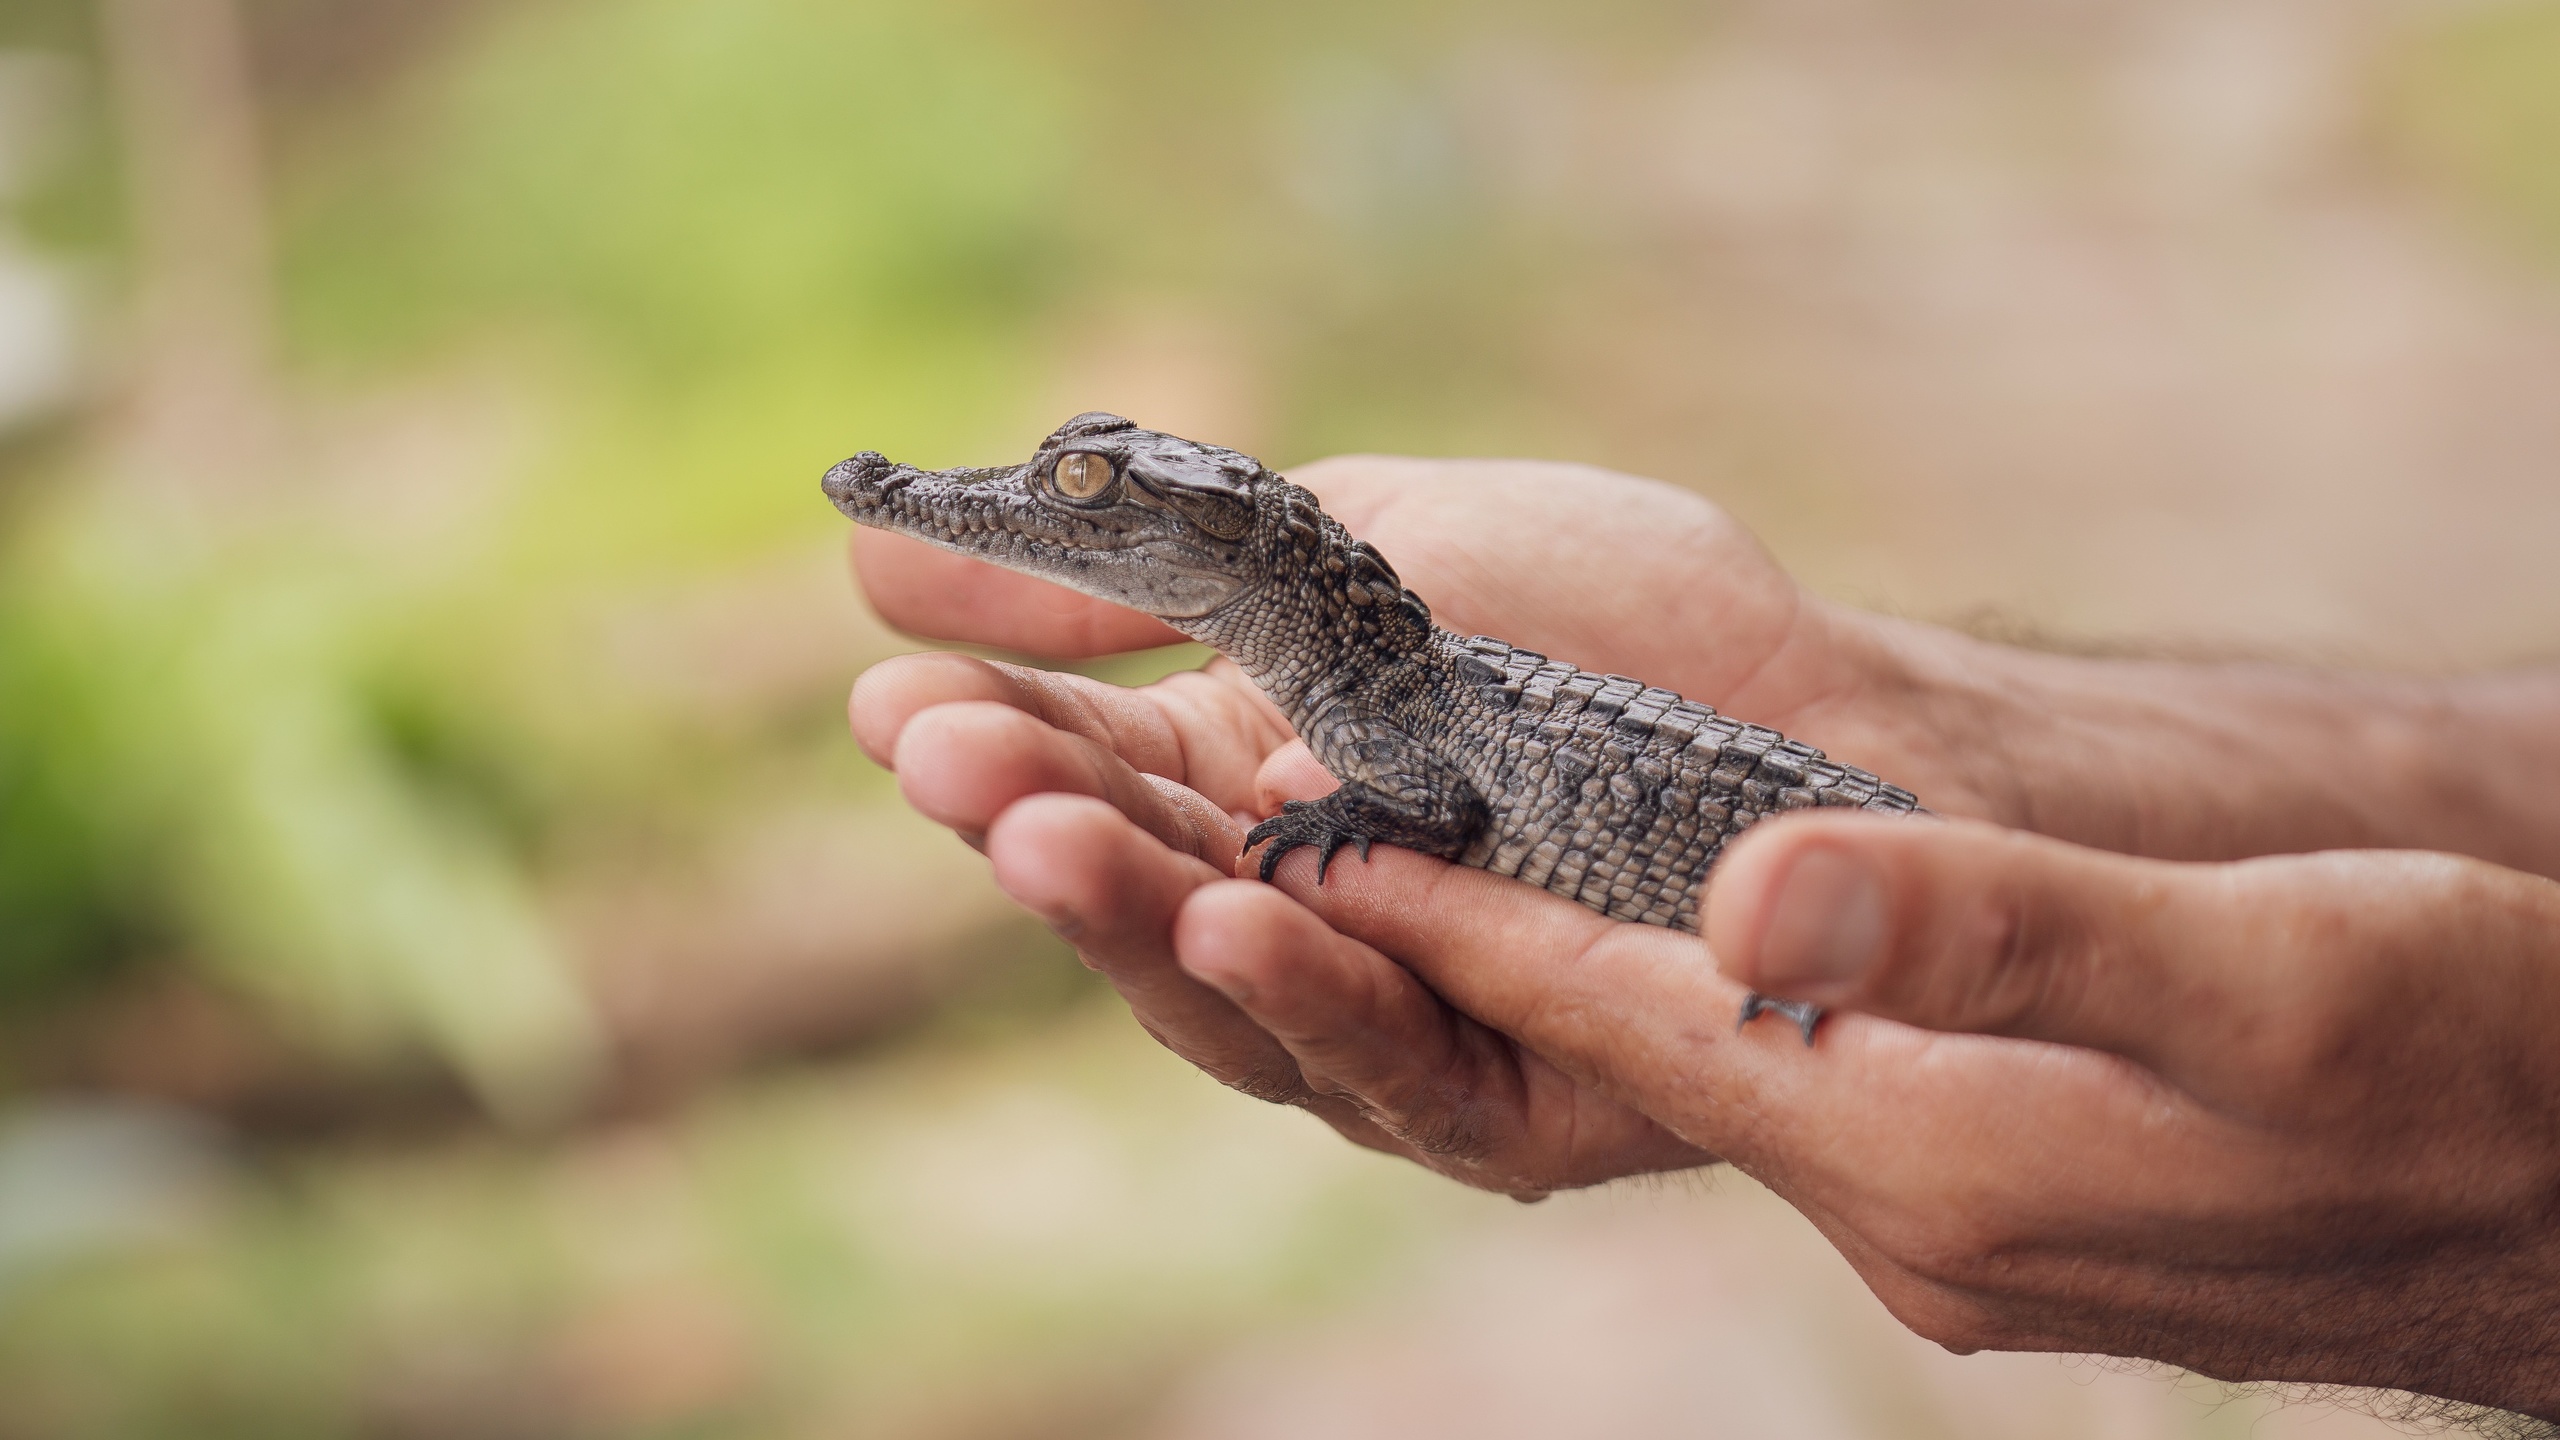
1826,927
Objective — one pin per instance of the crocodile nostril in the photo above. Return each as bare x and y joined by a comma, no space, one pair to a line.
848,481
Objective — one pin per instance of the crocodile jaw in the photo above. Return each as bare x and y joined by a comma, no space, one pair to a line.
996,515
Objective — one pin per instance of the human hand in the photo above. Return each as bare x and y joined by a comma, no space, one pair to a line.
1608,571
1601,569
1605,570
2281,1119
2243,1195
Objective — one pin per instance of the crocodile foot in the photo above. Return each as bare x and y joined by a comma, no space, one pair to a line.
1803,1012
1304,823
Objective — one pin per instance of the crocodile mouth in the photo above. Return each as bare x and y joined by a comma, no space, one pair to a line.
1123,554
1173,552
979,511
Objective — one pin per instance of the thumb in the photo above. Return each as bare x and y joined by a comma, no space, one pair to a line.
1966,927
943,596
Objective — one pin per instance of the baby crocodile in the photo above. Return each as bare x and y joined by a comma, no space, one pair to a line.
1601,788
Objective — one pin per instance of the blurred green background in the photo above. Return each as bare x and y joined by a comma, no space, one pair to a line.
458,979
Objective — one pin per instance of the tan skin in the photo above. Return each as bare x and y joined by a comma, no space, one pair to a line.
2092,1082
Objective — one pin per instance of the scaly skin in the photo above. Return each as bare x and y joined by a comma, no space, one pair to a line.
1599,788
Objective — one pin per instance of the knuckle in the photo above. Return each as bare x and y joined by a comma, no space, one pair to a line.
1524,1187
1434,1125
1271,1083
1468,1159
2032,966
1275,1081
1960,1329
1953,1322
1332,1089
2298,1045
1954,1247
1445,1132
2355,1023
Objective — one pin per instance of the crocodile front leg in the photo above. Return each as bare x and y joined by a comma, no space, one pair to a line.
1804,1013
1395,791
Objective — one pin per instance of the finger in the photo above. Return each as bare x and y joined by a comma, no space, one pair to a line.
895,691
1970,928
1207,731
964,764
1152,922
1290,773
934,593
1358,1027
1642,1015
1363,1027
1113,892
2219,977
1614,1005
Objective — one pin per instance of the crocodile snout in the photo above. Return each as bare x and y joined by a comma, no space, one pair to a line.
859,483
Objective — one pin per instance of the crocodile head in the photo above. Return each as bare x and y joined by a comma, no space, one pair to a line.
1151,521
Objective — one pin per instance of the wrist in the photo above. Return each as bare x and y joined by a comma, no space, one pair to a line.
2060,745
2163,758
1941,714
2187,760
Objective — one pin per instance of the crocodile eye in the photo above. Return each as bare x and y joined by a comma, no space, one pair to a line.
1080,476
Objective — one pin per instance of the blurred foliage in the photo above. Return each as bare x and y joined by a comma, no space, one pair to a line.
578,299
66,193
75,893
2477,105
673,258
824,1254
204,774
751,231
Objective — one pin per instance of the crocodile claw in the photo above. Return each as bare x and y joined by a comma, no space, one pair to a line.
1804,1012
1302,824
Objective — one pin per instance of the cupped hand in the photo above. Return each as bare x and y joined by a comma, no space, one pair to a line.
2279,1119
2282,1119
1606,571
1117,816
